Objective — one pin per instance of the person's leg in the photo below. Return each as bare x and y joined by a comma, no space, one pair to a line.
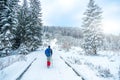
48,62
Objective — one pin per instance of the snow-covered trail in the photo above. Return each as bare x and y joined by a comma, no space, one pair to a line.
58,71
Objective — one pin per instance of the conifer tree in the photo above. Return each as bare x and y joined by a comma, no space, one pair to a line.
35,27
8,23
23,22
92,28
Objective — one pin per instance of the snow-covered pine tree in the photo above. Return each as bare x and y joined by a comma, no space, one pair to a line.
24,21
14,7
92,31
8,23
34,31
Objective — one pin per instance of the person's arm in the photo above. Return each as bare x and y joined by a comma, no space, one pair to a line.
51,52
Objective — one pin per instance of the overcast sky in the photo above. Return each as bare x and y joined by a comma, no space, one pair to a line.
70,13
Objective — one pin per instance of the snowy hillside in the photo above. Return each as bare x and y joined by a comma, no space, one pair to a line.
65,65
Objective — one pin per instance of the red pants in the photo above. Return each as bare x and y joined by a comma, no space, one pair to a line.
48,63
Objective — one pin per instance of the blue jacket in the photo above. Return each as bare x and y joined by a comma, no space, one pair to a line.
48,52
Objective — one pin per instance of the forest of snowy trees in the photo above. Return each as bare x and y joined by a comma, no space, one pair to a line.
21,29
20,26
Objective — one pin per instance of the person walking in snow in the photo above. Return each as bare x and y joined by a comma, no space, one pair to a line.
48,53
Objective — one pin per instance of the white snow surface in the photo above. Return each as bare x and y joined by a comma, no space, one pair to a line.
103,66
59,70
88,67
38,70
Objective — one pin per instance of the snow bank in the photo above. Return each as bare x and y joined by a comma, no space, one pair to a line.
7,61
13,71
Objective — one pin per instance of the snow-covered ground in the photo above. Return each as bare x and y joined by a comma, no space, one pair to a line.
38,70
104,66
101,67
11,72
59,70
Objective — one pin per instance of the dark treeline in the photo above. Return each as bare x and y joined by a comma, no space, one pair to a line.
110,41
64,31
